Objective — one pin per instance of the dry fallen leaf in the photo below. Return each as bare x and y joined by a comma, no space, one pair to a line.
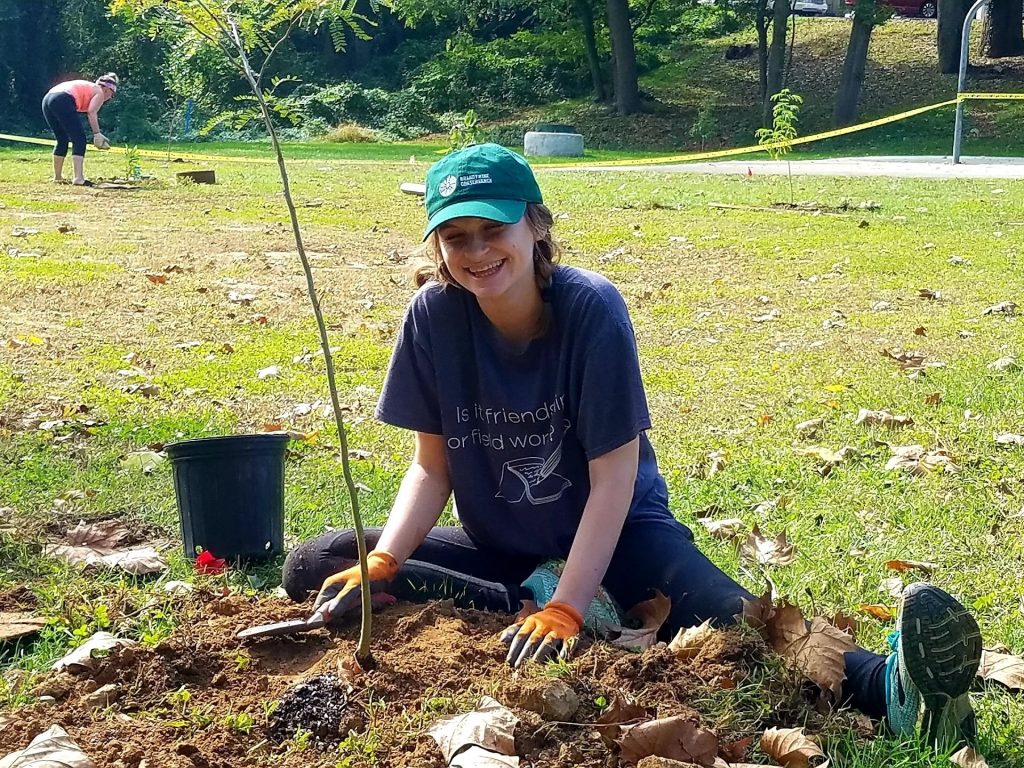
144,461
791,747
827,455
14,626
881,419
757,613
717,460
103,537
650,615
673,737
478,757
489,726
907,360
968,758
1002,308
879,611
1009,439
810,427
245,299
735,750
622,711
52,747
726,529
919,462
764,551
928,293
270,372
892,587
97,544
156,277
818,651
911,565
1004,364
1002,668
933,399
688,642
83,658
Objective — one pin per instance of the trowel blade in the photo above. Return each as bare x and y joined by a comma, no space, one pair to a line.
291,627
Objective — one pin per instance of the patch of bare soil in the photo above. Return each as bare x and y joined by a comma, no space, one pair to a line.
203,698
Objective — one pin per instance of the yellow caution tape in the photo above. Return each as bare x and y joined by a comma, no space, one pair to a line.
991,96
689,158
686,158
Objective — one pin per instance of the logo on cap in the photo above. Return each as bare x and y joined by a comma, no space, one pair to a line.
447,186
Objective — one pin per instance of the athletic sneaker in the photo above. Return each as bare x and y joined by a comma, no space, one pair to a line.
936,652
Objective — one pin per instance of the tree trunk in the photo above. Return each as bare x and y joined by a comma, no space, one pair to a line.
852,79
627,90
776,57
586,15
1003,34
762,23
950,33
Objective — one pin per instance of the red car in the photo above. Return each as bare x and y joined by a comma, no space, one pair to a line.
927,9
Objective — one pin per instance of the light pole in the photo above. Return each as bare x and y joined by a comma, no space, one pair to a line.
965,48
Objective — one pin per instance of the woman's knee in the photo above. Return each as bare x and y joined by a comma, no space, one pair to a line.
314,560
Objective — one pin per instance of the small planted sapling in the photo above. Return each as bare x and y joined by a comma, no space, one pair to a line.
777,140
248,34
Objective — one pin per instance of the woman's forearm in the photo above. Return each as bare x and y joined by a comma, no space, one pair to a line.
419,503
612,478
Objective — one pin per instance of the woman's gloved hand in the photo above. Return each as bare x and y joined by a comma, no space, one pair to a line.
543,635
342,591
100,141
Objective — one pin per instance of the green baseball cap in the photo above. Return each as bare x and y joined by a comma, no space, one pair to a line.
483,180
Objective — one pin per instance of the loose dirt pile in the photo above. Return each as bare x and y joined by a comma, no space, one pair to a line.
203,699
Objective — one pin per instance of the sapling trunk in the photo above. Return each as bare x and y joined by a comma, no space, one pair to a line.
363,653
235,51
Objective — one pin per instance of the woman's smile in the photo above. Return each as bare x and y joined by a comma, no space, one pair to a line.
486,270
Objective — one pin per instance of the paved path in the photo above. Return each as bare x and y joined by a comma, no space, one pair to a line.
933,167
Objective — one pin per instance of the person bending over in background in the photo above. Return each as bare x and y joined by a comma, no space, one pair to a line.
62,106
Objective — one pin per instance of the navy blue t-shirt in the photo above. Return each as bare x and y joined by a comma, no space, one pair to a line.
520,425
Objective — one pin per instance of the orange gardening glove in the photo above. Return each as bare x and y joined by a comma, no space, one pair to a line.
341,592
543,635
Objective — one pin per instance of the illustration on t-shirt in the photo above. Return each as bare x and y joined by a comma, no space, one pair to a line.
534,478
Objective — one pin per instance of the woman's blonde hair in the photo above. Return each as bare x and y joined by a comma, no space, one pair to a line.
546,251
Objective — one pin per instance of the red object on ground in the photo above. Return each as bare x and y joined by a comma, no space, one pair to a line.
208,564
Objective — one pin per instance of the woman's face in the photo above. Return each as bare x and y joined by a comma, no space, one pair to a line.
489,259
108,94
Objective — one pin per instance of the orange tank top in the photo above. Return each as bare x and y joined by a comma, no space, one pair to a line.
82,91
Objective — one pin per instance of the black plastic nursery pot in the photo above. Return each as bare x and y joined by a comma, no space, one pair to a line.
230,494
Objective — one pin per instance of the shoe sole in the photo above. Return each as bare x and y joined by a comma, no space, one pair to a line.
941,652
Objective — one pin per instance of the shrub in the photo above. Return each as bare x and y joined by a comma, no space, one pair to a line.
350,133
133,116
527,68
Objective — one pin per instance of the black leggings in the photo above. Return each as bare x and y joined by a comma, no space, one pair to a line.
651,555
62,116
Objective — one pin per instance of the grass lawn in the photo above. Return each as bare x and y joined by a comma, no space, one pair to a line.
749,323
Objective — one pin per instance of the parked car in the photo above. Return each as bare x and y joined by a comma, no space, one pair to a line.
801,7
811,7
926,9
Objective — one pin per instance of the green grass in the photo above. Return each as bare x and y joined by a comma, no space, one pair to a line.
717,381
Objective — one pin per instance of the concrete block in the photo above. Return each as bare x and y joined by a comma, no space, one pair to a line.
553,144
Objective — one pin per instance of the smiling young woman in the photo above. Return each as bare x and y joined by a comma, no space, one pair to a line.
520,380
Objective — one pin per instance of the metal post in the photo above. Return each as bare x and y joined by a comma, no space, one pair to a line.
965,48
